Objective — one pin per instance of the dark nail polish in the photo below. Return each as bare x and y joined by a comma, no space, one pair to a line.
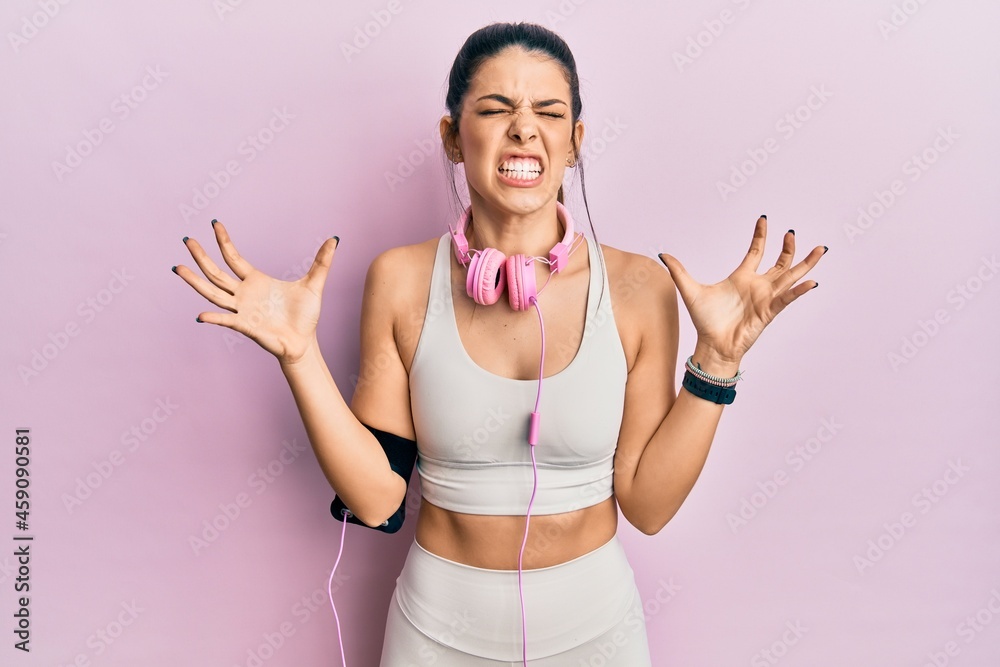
825,249
174,269
214,221
792,232
815,286
763,216
185,239
662,261
338,240
198,319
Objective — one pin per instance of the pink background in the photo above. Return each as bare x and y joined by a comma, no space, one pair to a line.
85,256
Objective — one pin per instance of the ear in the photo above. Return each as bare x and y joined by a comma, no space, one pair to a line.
578,138
448,139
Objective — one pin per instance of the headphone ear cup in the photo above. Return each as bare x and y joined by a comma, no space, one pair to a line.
486,280
521,286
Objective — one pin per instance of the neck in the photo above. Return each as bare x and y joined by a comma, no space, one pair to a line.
533,233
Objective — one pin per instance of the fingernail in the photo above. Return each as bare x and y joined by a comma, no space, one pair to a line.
214,221
174,269
791,231
338,240
825,249
763,216
185,239
660,256
197,319
816,285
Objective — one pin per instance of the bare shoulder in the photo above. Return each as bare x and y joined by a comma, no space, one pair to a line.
637,282
643,298
402,272
381,396
399,278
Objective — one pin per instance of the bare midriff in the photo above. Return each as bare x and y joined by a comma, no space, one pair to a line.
494,542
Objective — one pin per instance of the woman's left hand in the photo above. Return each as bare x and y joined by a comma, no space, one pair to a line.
730,314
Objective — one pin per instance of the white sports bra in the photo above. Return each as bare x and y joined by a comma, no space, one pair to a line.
472,425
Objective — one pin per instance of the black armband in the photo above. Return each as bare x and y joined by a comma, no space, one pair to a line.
402,455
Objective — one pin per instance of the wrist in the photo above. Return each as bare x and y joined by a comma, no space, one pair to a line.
711,361
309,355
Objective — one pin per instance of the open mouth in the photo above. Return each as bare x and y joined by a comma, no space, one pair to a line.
522,169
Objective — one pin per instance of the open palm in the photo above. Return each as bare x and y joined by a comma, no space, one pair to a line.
281,316
729,315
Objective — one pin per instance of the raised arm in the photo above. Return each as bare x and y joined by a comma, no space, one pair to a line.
281,316
665,437
351,458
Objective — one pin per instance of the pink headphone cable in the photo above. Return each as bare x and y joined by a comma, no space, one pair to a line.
532,440
329,590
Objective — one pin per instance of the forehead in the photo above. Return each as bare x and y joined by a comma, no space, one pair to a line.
516,73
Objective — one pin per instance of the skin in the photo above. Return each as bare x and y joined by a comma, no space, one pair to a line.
665,435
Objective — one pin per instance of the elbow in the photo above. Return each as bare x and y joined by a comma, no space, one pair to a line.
650,528
372,521
385,503
368,515
373,517
650,523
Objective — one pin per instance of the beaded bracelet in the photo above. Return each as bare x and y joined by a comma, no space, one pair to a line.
712,379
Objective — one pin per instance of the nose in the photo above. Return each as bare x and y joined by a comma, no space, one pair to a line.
522,126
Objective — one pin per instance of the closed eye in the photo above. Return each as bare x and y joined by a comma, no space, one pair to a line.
492,112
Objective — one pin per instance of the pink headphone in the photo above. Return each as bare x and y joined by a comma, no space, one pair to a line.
490,270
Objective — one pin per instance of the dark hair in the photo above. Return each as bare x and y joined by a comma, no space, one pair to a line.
487,42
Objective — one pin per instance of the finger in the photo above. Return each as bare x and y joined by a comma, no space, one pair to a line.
756,251
219,278
222,319
800,269
206,289
240,266
787,251
686,285
234,322
316,277
790,295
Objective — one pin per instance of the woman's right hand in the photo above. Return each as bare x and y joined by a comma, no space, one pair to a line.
278,315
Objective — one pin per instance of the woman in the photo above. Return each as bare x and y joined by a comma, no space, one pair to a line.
487,582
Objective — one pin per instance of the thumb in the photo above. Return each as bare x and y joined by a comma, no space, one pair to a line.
316,277
686,285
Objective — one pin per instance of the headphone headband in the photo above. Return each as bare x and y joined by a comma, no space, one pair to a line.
558,256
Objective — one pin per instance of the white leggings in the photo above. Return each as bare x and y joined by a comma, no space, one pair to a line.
586,612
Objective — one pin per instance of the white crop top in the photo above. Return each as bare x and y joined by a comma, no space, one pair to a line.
472,425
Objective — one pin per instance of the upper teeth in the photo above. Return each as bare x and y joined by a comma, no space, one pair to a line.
522,165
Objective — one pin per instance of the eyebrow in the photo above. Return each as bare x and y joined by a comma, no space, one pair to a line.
510,102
